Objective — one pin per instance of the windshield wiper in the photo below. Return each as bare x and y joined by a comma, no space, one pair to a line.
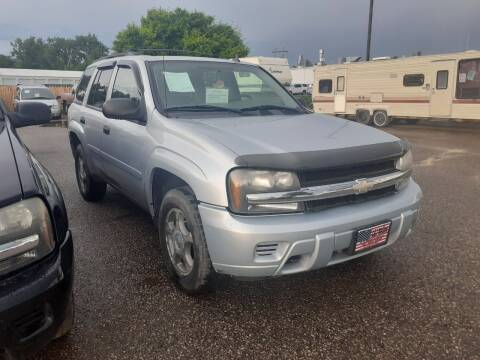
195,108
270,107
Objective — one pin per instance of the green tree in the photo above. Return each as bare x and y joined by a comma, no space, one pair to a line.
182,30
89,48
62,54
57,52
29,53
6,62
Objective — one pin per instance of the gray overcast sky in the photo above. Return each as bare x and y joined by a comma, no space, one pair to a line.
302,26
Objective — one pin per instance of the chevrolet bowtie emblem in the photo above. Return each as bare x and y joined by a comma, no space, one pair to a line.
361,186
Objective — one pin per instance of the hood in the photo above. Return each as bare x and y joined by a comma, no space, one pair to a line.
301,141
10,189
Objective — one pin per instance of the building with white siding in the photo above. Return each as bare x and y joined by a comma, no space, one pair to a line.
39,77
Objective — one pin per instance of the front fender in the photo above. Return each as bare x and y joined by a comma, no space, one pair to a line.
76,129
207,188
176,164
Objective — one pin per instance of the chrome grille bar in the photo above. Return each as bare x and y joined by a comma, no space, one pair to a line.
355,187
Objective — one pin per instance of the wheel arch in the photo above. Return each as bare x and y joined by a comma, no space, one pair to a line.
74,140
163,181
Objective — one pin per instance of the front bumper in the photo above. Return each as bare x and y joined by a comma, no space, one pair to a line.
264,246
34,303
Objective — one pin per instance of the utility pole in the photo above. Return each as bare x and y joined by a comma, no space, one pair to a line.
369,40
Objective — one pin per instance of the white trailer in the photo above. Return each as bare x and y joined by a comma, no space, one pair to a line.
278,67
443,86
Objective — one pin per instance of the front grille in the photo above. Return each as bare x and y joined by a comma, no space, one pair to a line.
318,205
320,177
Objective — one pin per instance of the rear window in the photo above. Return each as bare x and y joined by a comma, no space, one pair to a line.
468,81
325,86
82,86
413,80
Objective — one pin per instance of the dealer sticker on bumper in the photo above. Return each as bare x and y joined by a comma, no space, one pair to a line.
371,237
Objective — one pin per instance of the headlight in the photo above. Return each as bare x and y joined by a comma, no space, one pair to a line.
242,182
26,234
405,162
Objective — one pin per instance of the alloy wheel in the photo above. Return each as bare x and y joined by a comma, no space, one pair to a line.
179,241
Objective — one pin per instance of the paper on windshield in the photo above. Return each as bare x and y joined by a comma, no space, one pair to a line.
179,82
26,91
216,96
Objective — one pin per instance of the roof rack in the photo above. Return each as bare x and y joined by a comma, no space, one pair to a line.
169,51
114,55
152,51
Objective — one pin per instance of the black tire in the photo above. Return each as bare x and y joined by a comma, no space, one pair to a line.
90,189
363,117
381,119
202,277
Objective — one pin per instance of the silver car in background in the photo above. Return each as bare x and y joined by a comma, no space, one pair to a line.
38,93
238,176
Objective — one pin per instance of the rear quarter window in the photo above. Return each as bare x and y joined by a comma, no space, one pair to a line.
325,86
413,80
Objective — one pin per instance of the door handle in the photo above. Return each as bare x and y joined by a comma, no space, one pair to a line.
82,120
106,130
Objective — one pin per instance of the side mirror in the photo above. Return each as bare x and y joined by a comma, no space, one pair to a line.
124,108
30,114
58,97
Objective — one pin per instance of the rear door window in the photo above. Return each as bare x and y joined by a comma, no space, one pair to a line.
98,92
442,80
340,83
82,86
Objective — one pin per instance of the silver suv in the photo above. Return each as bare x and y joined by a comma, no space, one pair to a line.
238,176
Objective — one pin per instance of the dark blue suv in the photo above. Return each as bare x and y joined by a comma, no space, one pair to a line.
36,249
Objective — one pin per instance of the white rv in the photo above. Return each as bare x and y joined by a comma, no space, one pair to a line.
443,86
278,67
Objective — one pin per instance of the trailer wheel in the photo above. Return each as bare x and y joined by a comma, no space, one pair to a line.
363,117
381,119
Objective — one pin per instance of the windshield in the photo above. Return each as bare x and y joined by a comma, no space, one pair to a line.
36,93
194,89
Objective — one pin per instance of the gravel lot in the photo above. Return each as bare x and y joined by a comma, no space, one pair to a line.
416,300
